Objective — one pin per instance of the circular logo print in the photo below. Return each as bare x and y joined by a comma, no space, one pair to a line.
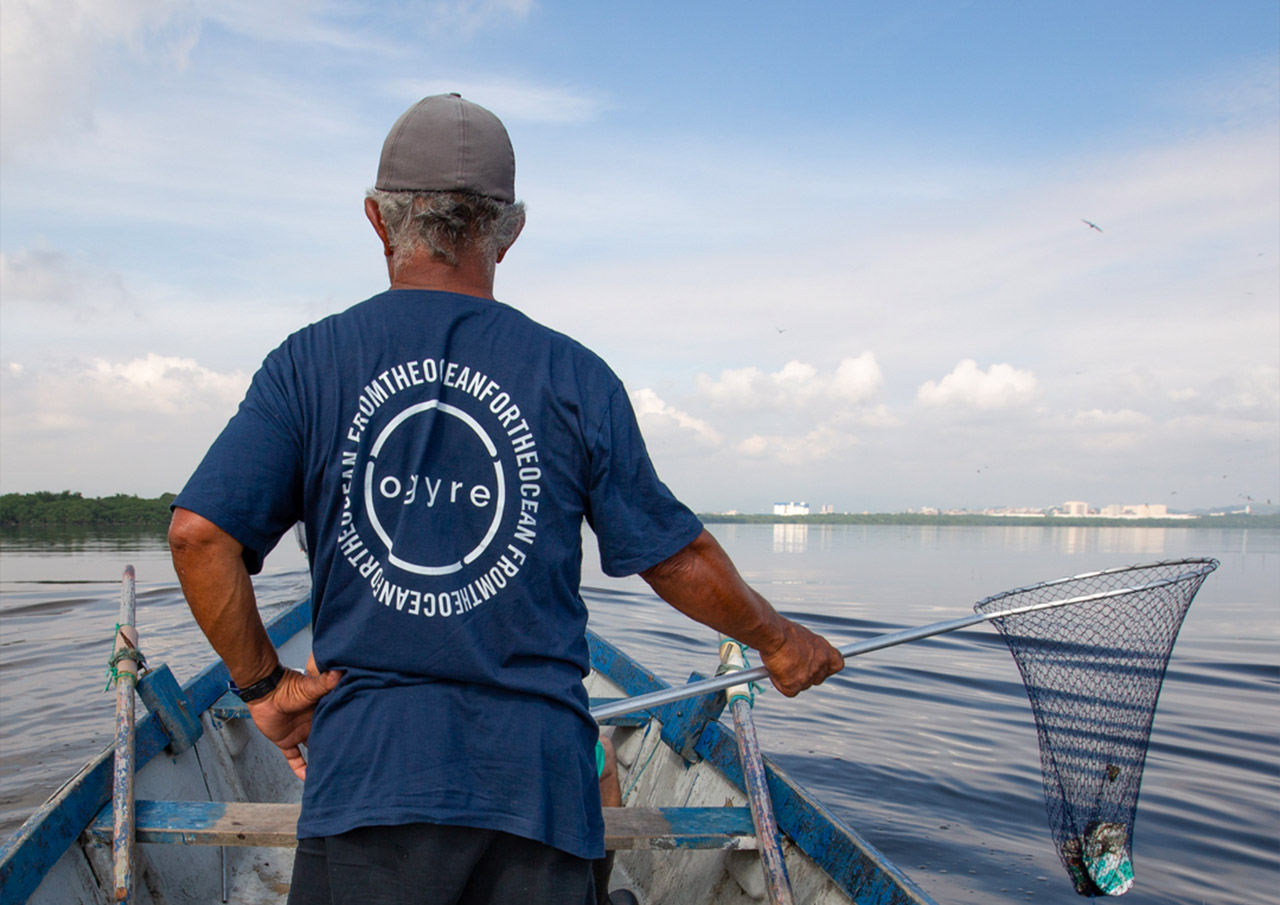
434,489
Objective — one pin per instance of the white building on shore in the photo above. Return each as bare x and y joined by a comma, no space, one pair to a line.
1078,509
792,508
1143,510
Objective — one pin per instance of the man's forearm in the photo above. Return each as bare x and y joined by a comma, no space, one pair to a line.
703,583
220,594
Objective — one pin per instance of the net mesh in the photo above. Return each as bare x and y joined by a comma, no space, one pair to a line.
1093,669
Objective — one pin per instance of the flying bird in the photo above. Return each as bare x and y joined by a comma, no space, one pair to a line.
1091,224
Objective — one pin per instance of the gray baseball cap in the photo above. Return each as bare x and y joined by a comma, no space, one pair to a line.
446,144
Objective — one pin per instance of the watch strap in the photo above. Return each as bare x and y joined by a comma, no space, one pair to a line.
261,688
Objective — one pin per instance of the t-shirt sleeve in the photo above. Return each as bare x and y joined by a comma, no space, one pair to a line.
636,519
249,483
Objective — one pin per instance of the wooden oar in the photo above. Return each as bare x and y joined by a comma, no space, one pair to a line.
777,883
124,662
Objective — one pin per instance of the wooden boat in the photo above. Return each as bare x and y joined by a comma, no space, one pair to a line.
217,806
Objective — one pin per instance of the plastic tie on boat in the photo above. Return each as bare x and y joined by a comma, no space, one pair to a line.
733,657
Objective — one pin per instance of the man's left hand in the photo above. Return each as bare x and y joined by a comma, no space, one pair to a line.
284,716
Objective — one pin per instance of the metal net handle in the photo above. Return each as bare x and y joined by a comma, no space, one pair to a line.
891,639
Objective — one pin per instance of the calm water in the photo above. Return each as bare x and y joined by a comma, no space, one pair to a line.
928,749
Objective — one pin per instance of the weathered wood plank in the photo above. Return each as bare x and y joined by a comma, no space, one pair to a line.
673,828
213,823
275,825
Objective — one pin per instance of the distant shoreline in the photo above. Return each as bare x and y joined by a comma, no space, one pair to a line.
975,519
46,508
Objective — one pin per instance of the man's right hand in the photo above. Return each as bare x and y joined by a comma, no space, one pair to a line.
801,660
702,582
284,716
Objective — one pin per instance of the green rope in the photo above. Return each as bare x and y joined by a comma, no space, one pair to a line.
113,664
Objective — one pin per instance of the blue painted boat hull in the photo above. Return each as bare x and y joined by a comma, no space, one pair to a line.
677,756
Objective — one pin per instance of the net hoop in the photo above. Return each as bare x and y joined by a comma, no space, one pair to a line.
1198,568
1093,665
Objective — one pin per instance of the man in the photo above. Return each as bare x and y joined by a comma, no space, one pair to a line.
443,450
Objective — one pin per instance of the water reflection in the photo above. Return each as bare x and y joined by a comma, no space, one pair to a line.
790,538
1145,541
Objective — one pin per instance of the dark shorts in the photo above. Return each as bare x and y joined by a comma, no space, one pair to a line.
427,864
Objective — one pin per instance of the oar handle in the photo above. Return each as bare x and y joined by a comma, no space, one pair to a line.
123,767
755,780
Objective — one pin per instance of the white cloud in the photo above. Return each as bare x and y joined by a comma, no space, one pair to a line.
1096,430
167,385
857,379
52,53
854,381
512,101
1099,419
1256,392
1248,90
471,15
652,412
879,416
47,277
128,426
1000,386
289,22
821,443
54,398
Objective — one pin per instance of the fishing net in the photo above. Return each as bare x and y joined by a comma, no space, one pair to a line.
1093,671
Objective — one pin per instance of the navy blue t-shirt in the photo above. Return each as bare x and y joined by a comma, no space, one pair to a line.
443,451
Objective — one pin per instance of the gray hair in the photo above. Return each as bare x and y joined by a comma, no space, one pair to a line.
447,223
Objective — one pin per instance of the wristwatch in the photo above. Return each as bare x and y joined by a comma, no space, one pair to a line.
261,688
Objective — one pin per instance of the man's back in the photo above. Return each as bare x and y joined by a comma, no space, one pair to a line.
446,449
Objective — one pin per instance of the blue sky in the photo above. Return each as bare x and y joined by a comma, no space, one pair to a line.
835,251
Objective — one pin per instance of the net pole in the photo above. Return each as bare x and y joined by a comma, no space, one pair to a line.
857,648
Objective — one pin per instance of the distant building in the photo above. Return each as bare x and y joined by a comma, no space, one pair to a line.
827,509
1075,508
1144,510
791,508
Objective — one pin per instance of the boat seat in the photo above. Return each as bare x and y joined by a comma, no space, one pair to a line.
275,825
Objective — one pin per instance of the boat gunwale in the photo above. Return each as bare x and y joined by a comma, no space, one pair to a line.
32,851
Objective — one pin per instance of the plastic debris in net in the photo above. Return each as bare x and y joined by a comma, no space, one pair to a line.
1093,671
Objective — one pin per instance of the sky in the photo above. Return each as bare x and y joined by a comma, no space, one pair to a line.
837,252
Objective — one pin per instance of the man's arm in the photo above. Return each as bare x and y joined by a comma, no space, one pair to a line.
702,582
220,594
